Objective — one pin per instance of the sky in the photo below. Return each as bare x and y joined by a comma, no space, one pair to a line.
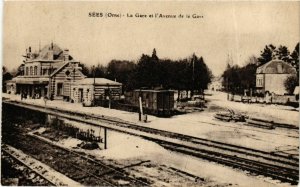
238,29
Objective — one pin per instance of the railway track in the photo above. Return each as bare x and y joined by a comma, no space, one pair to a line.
36,177
276,166
76,166
254,167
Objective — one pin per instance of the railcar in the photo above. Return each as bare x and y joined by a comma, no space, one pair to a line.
155,102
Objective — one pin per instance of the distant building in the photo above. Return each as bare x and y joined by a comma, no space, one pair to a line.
270,77
48,72
10,86
216,84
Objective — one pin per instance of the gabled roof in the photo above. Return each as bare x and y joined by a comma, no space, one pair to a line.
57,53
61,67
98,81
276,67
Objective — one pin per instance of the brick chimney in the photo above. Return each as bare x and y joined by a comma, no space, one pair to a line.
50,52
28,52
50,55
66,54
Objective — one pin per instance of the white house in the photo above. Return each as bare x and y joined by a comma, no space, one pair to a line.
271,76
216,84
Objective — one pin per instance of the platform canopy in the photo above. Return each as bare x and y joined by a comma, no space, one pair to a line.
31,80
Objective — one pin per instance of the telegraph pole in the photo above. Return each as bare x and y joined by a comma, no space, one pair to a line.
105,138
193,75
94,83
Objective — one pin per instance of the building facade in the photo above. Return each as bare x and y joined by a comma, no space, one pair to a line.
216,84
48,72
271,76
95,89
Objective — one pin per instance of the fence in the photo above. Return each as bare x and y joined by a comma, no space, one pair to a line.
290,100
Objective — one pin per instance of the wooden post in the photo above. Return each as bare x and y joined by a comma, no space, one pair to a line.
109,97
105,138
141,108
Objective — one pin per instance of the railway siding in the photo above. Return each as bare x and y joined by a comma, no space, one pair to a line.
41,169
286,168
166,136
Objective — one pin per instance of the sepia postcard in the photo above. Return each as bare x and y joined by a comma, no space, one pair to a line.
150,93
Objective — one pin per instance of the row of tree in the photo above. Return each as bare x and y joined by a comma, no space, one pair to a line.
189,74
6,75
236,79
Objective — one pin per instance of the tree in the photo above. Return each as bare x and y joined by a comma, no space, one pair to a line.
150,71
267,54
99,71
146,73
18,71
248,73
120,71
237,79
85,69
234,79
290,83
282,53
295,58
202,74
248,77
5,77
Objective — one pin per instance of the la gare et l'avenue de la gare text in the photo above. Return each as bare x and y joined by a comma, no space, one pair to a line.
141,15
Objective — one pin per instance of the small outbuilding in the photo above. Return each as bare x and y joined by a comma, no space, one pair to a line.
10,87
89,90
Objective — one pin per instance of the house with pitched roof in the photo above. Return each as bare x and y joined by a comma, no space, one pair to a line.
48,72
270,77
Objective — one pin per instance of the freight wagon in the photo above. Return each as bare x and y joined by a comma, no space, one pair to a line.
155,102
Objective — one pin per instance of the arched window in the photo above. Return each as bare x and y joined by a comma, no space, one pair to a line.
31,70
35,70
26,71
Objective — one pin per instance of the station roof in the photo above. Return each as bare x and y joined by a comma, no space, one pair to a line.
98,81
42,55
30,80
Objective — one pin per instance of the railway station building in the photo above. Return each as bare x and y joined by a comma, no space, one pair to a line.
52,72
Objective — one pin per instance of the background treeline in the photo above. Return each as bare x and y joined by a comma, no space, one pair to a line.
189,74
236,78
